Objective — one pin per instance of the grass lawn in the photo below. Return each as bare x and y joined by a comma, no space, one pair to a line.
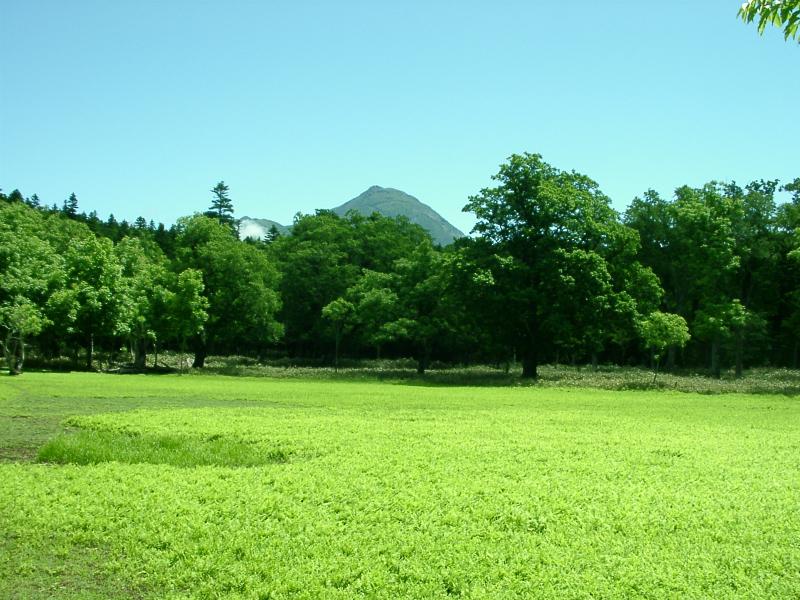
171,486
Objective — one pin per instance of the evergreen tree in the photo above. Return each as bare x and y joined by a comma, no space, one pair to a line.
272,235
221,207
70,207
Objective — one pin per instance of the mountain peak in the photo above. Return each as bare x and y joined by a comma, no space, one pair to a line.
393,203
388,202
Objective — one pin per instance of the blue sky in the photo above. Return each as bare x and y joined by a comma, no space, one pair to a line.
141,107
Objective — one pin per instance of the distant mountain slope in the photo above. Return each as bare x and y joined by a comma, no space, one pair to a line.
386,201
258,228
392,203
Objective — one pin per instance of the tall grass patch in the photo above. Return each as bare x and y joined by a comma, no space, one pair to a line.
93,447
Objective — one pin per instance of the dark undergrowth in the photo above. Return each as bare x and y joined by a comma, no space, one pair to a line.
762,380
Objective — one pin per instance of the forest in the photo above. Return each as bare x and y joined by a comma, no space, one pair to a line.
707,279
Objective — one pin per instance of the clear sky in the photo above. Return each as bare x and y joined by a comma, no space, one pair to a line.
140,107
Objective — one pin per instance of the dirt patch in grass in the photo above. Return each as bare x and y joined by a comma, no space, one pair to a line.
17,454
52,570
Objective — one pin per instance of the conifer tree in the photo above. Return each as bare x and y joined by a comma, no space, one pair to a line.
221,207
70,207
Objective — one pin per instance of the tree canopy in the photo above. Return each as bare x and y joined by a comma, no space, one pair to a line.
780,13
708,277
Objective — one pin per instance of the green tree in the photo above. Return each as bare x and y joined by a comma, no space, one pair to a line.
694,244
552,230
375,304
272,235
323,256
70,207
240,282
780,13
717,323
661,331
30,273
95,282
145,285
221,207
427,312
187,308
340,314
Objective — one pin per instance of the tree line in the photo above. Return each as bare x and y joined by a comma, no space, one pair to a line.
707,279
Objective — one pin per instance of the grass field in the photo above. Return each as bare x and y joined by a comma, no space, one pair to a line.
223,487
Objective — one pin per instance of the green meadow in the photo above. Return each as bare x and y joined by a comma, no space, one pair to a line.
116,486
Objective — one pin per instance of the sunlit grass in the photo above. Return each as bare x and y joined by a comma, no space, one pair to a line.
394,491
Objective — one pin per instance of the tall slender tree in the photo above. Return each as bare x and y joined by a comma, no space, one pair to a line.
221,207
70,207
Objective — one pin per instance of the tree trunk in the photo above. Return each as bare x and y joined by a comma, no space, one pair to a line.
155,353
336,351
671,353
530,367
656,361
14,351
739,354
422,361
200,355
715,368
19,357
594,361
90,352
140,354
530,359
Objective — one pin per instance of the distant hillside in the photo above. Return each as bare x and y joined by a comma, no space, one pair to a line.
393,203
258,228
385,201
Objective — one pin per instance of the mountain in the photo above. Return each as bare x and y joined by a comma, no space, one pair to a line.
388,202
258,228
393,203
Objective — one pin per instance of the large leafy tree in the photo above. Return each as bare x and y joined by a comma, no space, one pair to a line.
324,256
426,314
96,287
146,280
415,306
240,282
186,308
31,272
553,229
712,246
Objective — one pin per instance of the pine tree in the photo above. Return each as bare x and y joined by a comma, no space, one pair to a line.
221,207
70,207
272,235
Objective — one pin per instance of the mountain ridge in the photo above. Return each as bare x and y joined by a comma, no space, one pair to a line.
389,202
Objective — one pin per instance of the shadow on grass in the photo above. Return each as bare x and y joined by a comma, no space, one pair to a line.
613,378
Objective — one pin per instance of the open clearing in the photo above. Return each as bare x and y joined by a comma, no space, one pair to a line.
208,487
